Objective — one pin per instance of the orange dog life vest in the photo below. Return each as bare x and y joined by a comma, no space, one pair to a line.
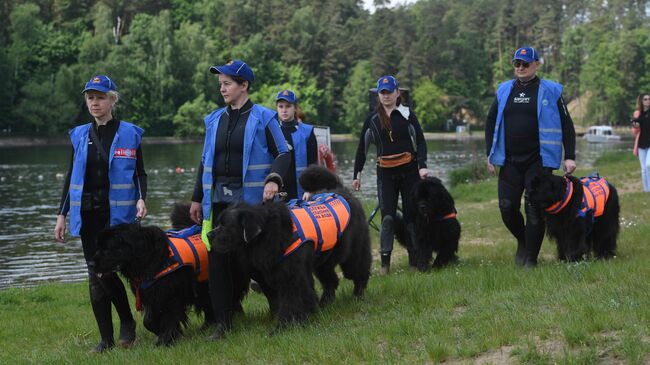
185,249
595,192
320,220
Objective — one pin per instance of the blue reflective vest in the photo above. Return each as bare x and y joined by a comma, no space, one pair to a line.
300,138
256,162
550,124
123,193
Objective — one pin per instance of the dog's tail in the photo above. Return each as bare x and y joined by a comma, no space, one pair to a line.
318,178
180,216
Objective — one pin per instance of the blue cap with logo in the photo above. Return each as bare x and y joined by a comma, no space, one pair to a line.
287,95
386,83
100,83
526,54
236,68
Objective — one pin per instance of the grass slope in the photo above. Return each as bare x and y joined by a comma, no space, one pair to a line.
483,310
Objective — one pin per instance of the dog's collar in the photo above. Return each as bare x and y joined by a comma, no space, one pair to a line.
444,217
558,206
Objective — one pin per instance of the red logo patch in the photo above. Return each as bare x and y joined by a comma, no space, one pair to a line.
523,52
124,153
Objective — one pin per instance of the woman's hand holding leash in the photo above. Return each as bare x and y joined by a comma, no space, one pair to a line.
270,190
423,173
569,166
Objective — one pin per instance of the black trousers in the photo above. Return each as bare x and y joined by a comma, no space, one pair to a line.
220,280
513,180
107,289
391,182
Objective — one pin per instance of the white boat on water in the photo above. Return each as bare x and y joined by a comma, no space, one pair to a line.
601,133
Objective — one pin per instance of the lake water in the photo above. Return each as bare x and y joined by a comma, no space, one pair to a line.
31,180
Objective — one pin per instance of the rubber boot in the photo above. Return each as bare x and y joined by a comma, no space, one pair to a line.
101,305
385,264
413,247
386,237
117,293
520,256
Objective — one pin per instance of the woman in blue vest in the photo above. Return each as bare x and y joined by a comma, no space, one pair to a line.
244,160
401,162
526,127
106,185
300,138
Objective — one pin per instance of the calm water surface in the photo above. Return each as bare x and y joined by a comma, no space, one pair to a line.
31,180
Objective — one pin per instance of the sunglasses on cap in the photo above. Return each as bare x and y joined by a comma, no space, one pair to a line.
518,64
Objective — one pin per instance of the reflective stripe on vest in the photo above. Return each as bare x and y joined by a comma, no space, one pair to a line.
300,138
320,220
257,158
548,116
122,193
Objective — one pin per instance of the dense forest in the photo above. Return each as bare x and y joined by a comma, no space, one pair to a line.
450,54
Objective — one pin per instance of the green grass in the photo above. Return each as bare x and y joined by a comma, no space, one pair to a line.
483,309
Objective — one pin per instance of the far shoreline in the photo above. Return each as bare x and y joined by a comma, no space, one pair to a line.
8,142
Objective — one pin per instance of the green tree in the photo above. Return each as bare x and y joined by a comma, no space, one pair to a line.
188,121
430,105
355,97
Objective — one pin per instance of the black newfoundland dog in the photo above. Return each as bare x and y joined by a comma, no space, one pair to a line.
260,237
436,226
166,281
581,214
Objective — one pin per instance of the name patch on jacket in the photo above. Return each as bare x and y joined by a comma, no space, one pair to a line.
124,153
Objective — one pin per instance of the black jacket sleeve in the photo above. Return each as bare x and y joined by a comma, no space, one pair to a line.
490,124
420,142
568,131
197,195
282,163
360,158
140,174
64,206
312,149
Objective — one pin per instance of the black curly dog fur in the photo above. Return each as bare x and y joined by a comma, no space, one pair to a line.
259,235
139,253
434,232
576,236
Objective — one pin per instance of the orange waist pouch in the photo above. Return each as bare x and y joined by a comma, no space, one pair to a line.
395,160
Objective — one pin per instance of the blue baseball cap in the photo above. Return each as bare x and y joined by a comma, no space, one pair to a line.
386,83
236,68
526,54
100,83
287,95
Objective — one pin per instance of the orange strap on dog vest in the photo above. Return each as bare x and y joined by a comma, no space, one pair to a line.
568,193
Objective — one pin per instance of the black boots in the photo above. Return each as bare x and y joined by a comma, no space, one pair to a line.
520,256
386,237
103,291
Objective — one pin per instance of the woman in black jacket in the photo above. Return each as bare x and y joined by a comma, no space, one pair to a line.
401,162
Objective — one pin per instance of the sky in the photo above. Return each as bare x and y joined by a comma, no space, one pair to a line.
369,4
